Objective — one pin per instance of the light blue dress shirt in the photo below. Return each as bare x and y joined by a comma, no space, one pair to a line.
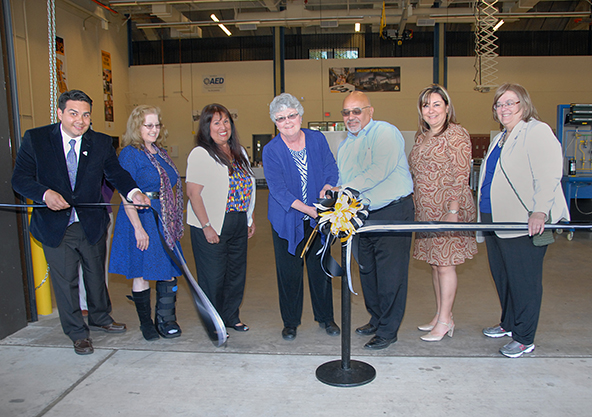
375,164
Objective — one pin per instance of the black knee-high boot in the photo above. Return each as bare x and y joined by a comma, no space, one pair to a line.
166,320
142,301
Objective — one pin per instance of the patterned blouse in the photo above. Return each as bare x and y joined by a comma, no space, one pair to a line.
239,190
301,161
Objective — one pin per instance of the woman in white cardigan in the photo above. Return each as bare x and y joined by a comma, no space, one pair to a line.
520,181
221,191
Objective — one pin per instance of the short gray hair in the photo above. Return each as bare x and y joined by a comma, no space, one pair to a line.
282,102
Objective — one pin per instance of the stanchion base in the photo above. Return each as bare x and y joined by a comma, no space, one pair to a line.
359,373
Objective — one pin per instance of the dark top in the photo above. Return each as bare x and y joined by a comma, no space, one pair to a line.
41,165
283,180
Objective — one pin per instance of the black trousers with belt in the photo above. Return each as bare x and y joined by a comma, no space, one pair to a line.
290,270
384,269
222,267
517,269
75,250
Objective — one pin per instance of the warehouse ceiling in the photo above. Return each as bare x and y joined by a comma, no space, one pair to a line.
171,19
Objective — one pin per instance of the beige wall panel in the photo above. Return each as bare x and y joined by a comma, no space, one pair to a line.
549,80
23,77
36,40
248,90
310,79
84,39
17,12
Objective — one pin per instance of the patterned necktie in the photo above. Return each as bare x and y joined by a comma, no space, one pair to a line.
72,164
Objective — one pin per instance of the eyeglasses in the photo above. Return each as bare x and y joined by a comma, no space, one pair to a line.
507,104
356,111
282,119
151,126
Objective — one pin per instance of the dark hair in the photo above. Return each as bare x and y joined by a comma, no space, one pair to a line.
204,139
74,95
423,99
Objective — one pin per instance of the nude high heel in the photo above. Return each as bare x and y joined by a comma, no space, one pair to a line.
425,327
434,338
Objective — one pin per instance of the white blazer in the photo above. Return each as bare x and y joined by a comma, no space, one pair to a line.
204,170
533,161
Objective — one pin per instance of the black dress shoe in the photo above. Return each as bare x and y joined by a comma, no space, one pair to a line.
110,328
366,329
331,328
378,342
289,333
83,347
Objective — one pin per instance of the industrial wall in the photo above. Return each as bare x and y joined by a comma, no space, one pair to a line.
248,86
248,89
85,36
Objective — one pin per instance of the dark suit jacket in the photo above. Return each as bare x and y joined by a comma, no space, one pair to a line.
41,165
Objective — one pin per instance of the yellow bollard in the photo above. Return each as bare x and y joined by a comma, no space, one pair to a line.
40,270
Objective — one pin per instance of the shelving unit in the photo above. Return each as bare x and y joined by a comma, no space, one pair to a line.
574,131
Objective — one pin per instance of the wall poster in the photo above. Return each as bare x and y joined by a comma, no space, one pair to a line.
373,79
61,69
107,85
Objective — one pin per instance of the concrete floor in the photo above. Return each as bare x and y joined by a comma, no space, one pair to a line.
258,373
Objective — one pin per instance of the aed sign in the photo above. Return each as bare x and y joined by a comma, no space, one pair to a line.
213,83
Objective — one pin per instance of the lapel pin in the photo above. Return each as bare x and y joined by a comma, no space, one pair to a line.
85,153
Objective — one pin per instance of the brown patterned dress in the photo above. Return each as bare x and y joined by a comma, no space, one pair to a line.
440,170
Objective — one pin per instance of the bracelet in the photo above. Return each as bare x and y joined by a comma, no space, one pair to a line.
208,224
453,211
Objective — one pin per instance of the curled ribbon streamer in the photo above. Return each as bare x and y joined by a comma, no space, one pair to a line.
348,252
340,215
211,319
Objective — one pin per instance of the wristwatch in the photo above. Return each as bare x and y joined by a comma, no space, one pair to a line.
208,224
453,211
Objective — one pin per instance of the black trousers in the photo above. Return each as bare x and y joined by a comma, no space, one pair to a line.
290,271
74,250
222,267
384,269
517,269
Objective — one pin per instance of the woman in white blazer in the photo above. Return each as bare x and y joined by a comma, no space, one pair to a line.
221,191
520,181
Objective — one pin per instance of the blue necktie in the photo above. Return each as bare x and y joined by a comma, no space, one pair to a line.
72,164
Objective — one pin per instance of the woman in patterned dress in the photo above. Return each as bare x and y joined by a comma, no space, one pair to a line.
221,191
440,165
137,251
299,167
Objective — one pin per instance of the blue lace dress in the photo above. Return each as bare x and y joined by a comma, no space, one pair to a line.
126,259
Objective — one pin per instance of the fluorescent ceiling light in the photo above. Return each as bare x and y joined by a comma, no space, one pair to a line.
221,26
498,25
357,27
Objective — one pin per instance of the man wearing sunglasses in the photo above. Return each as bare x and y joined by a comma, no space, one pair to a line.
372,161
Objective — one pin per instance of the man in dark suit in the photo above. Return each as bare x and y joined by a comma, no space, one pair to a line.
63,165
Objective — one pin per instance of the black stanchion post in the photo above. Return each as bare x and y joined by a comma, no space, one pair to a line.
345,373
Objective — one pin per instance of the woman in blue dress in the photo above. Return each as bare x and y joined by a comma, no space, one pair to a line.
137,250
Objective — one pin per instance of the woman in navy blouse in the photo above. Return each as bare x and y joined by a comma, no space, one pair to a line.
299,167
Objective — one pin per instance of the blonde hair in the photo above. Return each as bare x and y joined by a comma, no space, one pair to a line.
133,135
